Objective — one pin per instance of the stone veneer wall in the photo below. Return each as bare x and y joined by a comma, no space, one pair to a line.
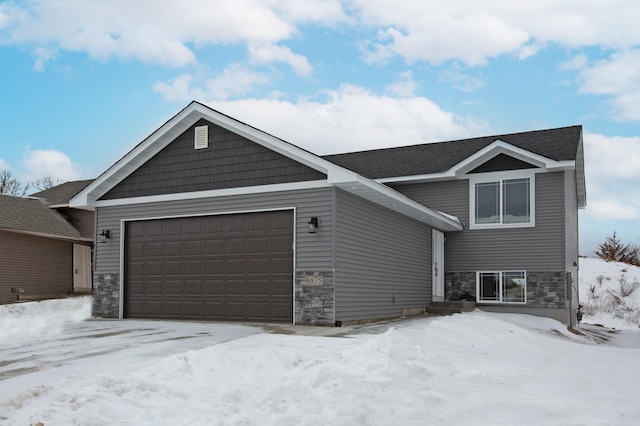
106,295
544,289
314,297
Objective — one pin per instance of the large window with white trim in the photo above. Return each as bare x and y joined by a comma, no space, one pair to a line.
501,287
501,201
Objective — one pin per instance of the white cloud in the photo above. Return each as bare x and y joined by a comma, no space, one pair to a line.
618,78
472,31
142,29
578,62
268,53
461,81
4,165
405,86
352,118
612,174
236,79
41,163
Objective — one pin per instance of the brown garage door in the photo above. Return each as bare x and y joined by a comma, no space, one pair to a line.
223,267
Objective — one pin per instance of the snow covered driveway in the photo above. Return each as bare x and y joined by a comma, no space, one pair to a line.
39,347
469,369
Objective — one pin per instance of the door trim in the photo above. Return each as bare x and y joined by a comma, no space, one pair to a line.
437,266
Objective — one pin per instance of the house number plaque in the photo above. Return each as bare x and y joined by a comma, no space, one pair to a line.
316,280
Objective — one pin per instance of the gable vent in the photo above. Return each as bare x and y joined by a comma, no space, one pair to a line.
202,137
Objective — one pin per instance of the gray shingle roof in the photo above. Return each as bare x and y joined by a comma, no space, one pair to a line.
61,194
34,216
557,144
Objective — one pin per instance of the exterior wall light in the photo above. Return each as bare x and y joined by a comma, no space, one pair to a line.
313,224
104,235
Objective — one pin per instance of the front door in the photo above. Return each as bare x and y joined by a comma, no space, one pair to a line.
438,266
81,268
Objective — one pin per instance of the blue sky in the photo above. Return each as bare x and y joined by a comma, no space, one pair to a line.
82,82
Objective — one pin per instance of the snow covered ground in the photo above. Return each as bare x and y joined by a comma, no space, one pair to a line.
476,368
610,292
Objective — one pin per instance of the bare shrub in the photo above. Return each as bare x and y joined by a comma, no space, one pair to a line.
626,288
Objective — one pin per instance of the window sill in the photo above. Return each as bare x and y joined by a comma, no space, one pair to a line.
501,226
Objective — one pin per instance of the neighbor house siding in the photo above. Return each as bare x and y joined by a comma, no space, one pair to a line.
230,161
312,250
82,220
383,261
39,266
539,248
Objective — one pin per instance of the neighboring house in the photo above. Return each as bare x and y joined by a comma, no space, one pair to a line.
37,250
83,220
210,218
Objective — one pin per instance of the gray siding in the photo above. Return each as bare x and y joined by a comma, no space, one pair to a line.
82,220
380,255
42,267
313,251
571,240
539,248
230,161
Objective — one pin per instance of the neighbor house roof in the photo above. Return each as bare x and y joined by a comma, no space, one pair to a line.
33,216
561,144
59,195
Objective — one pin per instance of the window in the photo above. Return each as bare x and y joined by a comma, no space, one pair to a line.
501,287
501,202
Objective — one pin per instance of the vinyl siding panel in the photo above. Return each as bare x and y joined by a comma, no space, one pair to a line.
43,267
313,251
571,236
379,255
230,161
82,220
539,248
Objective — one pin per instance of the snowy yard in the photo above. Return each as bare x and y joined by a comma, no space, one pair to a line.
477,368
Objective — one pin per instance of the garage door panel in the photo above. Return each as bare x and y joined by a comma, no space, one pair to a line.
226,267
173,248
281,287
154,288
236,267
259,288
235,288
193,267
282,244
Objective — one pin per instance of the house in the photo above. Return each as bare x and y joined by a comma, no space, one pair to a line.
37,246
210,218
57,198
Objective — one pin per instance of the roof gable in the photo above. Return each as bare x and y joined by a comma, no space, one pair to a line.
227,161
559,144
335,175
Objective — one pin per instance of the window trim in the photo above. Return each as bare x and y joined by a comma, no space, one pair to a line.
500,177
500,302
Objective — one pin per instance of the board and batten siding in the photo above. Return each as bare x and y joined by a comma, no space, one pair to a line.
313,251
539,248
41,267
383,261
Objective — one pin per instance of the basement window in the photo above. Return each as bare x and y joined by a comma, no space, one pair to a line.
501,287
201,138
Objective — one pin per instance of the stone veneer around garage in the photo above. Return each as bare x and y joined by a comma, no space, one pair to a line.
315,297
106,295
546,289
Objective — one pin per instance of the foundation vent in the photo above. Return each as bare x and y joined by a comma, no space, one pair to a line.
202,137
